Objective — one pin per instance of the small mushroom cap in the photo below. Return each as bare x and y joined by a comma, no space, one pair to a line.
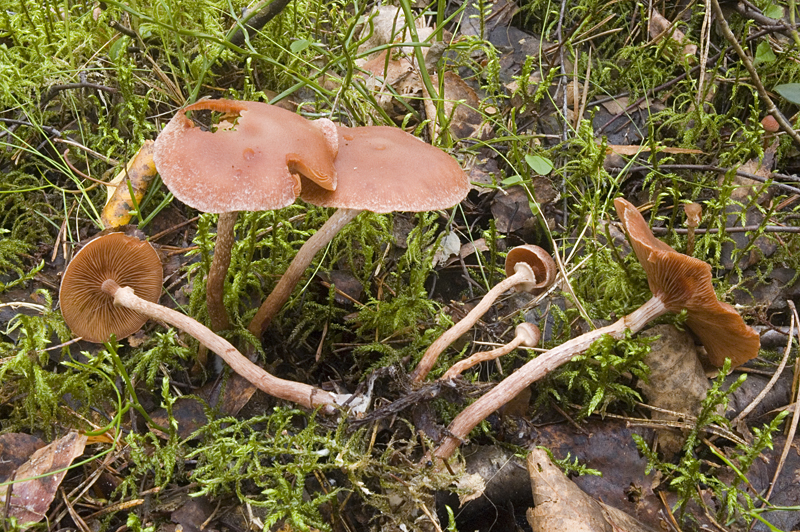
540,261
529,332
252,165
384,169
694,212
770,125
89,311
683,282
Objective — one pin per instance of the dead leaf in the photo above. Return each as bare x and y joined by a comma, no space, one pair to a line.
37,480
473,247
661,27
387,24
635,150
140,170
677,382
449,246
460,108
561,506
511,210
15,449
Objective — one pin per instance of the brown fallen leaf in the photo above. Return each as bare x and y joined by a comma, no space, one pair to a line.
36,482
561,506
634,149
140,170
677,382
661,27
460,107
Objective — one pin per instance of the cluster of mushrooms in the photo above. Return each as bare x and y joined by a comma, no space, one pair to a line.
263,157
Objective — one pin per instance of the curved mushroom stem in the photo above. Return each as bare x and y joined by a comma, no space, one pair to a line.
300,393
523,274
527,334
280,294
215,284
537,368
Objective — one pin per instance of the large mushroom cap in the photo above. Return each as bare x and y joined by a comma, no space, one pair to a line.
251,165
89,311
682,282
384,169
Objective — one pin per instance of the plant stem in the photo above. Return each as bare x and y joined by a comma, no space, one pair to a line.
300,393
280,294
537,368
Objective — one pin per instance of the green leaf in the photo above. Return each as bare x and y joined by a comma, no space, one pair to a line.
512,180
789,92
299,45
774,11
540,165
764,53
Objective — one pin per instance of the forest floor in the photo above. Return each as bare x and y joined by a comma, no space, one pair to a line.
553,111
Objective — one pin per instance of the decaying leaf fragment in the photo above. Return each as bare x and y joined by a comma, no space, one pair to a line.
661,27
677,382
46,468
561,506
140,170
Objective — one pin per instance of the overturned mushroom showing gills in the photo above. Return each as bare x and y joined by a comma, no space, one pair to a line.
251,163
379,169
97,300
528,268
526,334
677,282
88,311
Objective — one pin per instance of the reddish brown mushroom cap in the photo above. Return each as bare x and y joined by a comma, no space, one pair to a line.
384,169
542,264
89,311
252,165
683,282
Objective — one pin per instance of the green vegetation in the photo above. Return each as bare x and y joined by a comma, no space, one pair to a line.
83,84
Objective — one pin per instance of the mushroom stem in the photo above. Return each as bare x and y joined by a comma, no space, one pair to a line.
526,334
300,393
537,368
215,284
523,274
280,294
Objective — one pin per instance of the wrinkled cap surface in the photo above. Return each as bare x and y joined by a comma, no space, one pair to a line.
683,282
384,169
251,164
543,266
88,311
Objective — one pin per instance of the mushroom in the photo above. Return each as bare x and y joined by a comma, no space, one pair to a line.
253,163
112,286
694,213
379,169
528,269
677,282
525,334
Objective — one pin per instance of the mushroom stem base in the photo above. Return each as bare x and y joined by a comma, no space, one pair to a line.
300,393
537,368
